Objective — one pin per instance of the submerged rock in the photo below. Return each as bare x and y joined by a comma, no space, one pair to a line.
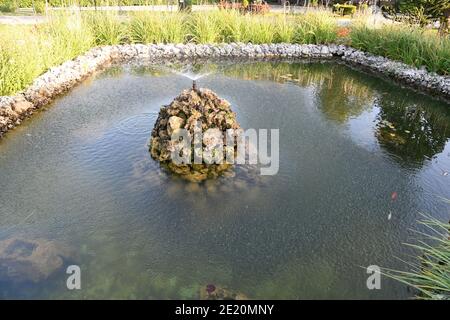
195,110
212,292
23,260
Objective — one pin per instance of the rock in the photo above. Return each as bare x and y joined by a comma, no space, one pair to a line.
174,123
22,106
194,109
23,260
61,78
212,292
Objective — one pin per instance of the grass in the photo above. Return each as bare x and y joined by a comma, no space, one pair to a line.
107,27
430,275
412,45
148,27
26,52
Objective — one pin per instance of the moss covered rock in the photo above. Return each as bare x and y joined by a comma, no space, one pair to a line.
194,109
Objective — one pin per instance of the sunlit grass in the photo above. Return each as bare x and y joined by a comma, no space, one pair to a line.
412,45
107,27
151,27
26,52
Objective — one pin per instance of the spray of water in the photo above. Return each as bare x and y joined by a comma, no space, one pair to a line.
190,73
194,76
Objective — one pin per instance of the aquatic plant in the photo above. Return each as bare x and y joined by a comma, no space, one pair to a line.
430,274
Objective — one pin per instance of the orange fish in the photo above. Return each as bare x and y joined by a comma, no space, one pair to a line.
394,196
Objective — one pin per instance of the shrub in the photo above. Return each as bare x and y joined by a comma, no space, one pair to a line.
344,9
8,6
39,6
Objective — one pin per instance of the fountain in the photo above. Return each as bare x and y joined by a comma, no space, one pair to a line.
194,109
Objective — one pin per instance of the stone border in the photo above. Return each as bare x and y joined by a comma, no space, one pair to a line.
57,80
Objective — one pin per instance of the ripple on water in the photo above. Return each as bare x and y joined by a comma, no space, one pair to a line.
138,124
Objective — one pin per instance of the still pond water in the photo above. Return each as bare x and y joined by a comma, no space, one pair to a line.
79,173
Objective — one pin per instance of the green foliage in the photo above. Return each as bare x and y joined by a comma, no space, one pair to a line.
344,9
204,28
285,30
107,27
411,45
39,6
8,5
233,27
422,11
150,27
258,30
315,28
27,51
430,275
68,34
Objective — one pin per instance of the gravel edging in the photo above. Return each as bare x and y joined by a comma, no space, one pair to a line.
57,80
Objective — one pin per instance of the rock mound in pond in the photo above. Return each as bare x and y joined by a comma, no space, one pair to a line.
192,108
23,260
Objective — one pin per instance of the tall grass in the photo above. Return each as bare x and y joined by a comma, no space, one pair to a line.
28,51
411,45
151,27
233,26
205,28
285,30
317,28
430,275
107,27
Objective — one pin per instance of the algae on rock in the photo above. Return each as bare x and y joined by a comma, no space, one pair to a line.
194,107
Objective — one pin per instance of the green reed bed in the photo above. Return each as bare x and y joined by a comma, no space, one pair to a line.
26,52
430,274
411,45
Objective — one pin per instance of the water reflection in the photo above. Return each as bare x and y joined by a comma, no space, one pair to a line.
409,126
412,130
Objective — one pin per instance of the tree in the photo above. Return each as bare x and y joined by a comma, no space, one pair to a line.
441,10
425,10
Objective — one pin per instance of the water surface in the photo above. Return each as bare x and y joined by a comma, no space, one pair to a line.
79,173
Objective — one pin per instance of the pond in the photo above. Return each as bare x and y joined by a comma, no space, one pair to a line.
360,158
